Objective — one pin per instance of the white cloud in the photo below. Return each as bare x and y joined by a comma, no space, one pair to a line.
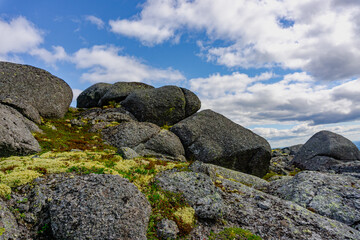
76,93
58,54
96,21
295,99
18,36
320,37
106,65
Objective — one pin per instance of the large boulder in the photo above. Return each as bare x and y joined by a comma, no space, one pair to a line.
163,106
212,138
37,89
146,139
15,136
91,96
325,149
98,207
335,196
120,90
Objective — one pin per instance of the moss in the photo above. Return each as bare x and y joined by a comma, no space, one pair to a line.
269,175
5,190
15,179
234,233
186,214
2,231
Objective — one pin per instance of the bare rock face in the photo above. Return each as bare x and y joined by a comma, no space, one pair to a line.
99,207
8,225
15,135
324,150
209,137
162,106
100,94
34,91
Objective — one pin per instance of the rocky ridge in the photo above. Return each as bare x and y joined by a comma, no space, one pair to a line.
122,170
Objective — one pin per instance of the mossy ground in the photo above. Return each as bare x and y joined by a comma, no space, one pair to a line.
234,233
69,148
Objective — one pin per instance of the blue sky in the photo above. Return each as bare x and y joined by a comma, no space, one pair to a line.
285,69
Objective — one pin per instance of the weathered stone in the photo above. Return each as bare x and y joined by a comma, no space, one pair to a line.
324,150
197,189
347,167
15,136
120,90
99,207
22,106
332,195
212,138
91,96
48,94
293,150
8,226
145,138
167,229
273,218
281,164
163,106
218,173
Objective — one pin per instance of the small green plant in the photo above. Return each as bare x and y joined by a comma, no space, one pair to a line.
85,170
166,127
43,229
234,233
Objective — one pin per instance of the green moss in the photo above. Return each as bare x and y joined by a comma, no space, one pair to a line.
234,233
269,175
5,190
2,231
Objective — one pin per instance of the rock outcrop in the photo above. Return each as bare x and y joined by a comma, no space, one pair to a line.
91,96
335,196
15,135
27,88
212,138
325,149
163,106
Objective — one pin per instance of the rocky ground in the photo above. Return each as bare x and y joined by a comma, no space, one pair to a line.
137,162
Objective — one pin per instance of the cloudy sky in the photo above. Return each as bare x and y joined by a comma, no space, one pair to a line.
283,68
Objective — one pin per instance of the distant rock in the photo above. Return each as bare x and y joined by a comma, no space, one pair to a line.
292,150
146,139
324,150
99,207
27,88
100,94
212,138
15,136
335,196
162,106
91,96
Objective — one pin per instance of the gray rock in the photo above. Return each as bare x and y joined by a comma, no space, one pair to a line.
167,229
127,153
219,173
198,190
324,150
273,218
49,95
281,164
145,138
91,96
348,167
8,226
332,195
163,106
15,136
22,106
99,207
212,138
120,90
107,115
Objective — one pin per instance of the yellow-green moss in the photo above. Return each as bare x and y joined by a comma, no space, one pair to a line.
15,179
234,233
4,190
186,214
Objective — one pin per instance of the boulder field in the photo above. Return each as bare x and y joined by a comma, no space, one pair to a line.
137,162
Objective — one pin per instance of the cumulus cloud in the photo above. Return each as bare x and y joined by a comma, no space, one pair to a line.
320,37
18,36
96,21
295,98
105,64
58,54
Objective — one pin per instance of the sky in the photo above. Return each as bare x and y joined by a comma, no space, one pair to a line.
284,69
